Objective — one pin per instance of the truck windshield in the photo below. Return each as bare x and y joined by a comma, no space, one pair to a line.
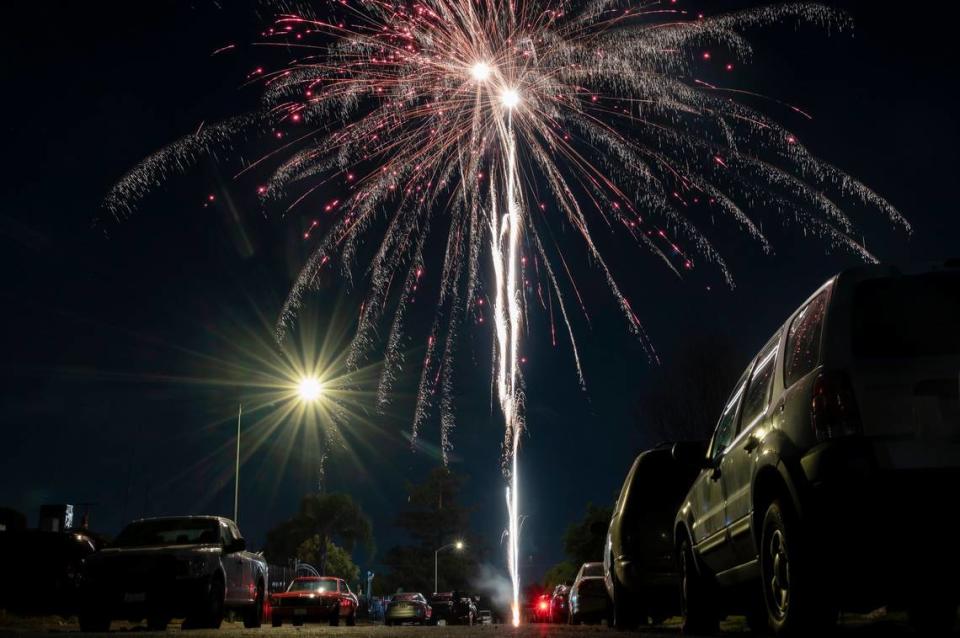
169,532
909,316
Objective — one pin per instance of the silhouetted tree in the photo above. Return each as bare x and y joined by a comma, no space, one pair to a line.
685,396
329,518
338,561
433,517
583,540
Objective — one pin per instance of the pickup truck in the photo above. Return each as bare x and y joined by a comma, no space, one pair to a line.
191,567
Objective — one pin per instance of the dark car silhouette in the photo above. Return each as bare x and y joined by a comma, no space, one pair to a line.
640,569
833,472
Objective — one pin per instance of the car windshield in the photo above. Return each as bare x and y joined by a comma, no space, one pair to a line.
592,570
910,316
173,531
442,597
316,586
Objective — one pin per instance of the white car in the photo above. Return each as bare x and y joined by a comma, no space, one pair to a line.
589,602
833,471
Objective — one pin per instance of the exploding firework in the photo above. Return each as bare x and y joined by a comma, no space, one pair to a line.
490,124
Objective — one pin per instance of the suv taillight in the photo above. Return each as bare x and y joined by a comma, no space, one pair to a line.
834,407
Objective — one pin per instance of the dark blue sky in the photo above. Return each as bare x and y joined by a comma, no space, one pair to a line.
109,344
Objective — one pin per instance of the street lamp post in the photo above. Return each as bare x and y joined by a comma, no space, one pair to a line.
236,474
458,545
309,390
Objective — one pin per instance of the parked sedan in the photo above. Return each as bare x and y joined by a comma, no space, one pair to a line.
315,599
408,607
833,465
589,602
560,604
175,567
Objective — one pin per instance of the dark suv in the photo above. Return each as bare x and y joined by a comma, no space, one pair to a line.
833,472
640,570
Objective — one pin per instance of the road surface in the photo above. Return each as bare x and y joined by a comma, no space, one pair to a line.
878,626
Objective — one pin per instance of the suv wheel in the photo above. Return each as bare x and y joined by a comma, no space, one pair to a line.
158,623
793,602
933,614
699,616
624,615
253,615
94,622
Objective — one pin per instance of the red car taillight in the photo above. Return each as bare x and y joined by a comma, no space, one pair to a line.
834,407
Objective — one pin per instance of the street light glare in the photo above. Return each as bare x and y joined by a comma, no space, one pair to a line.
309,389
459,545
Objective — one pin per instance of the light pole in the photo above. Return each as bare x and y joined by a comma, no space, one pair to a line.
458,545
309,390
236,474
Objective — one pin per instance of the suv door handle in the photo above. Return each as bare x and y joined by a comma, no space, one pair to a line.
752,443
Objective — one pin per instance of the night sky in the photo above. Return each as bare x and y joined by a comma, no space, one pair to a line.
121,341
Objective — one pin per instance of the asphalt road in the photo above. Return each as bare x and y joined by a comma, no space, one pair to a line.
852,627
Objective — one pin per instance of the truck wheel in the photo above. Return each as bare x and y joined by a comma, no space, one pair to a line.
933,615
158,623
352,619
94,622
699,613
623,615
253,615
276,620
335,617
793,601
209,615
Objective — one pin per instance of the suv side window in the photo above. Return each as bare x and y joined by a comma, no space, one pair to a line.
726,428
757,396
802,350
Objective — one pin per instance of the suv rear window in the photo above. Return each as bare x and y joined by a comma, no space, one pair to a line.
908,316
802,349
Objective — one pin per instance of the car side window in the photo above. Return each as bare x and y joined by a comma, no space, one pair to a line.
802,351
726,427
758,394
224,534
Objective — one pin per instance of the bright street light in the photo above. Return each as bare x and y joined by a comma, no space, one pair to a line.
309,389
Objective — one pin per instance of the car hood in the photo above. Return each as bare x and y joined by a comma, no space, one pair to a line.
306,595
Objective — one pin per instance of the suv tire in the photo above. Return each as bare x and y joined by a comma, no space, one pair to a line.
933,614
793,601
624,615
93,622
697,603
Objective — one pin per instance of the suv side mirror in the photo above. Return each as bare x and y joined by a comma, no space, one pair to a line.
234,546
